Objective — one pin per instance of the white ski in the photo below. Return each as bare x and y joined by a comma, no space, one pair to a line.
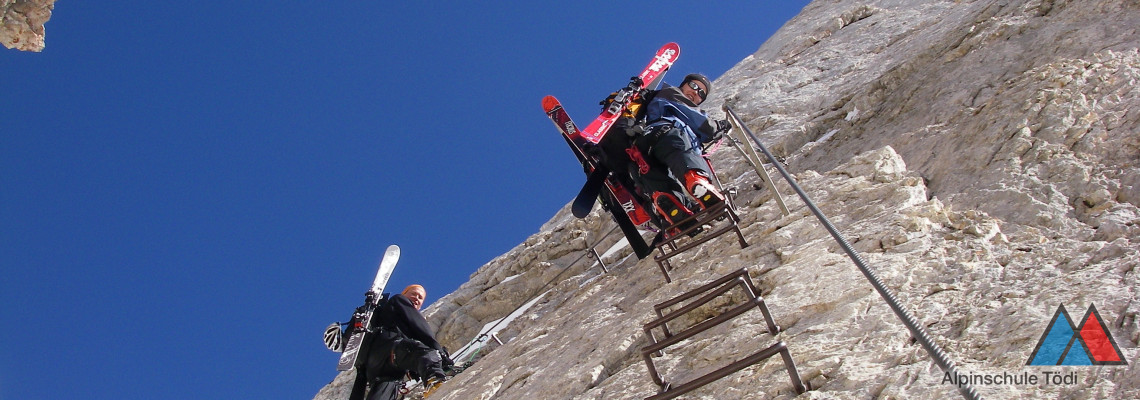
362,319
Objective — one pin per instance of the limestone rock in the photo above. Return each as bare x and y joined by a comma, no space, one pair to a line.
22,23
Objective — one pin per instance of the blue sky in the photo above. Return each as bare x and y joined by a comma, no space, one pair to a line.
191,191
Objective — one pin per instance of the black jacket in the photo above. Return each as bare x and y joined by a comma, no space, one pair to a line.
396,315
400,314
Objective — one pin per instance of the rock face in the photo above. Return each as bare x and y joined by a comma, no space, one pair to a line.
22,23
982,156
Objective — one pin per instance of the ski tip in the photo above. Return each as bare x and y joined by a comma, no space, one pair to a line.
549,103
392,251
669,53
582,206
580,211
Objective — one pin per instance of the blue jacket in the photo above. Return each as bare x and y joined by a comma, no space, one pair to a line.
670,107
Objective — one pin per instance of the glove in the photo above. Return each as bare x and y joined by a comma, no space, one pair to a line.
446,361
722,126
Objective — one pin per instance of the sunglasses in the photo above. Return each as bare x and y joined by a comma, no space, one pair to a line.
700,92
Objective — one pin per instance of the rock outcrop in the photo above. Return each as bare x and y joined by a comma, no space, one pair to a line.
22,23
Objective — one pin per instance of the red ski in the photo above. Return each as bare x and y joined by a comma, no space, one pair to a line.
624,208
649,78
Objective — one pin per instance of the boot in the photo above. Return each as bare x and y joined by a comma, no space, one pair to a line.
669,208
432,384
702,190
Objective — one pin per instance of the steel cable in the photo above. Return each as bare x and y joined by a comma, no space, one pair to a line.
916,330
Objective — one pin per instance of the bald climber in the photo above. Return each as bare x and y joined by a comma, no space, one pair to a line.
404,345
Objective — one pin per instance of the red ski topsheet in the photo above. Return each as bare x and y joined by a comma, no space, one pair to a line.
661,63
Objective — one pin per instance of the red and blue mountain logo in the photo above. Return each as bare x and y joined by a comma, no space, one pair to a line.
1065,343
